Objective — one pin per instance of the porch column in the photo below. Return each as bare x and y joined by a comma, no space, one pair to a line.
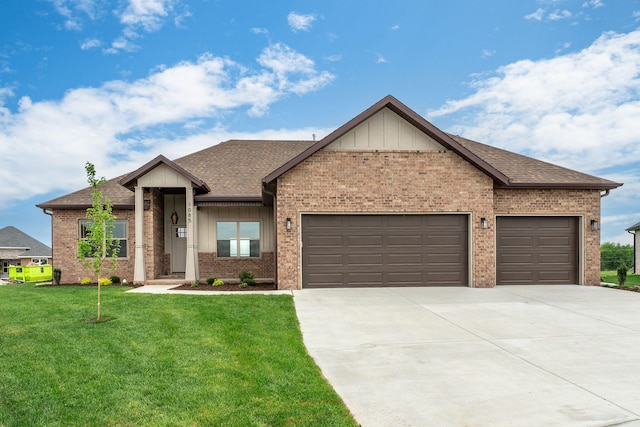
191,271
138,268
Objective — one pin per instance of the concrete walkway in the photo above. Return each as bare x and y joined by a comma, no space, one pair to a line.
508,356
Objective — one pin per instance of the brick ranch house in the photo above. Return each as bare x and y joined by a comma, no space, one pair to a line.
387,199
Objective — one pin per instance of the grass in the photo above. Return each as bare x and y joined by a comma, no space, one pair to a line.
163,360
612,277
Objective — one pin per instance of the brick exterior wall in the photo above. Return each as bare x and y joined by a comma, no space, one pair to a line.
66,226
227,268
154,234
384,182
581,203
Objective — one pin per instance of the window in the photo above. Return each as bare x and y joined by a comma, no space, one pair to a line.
39,261
119,233
238,239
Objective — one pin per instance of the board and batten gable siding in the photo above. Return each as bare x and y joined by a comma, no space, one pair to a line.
208,216
163,176
386,130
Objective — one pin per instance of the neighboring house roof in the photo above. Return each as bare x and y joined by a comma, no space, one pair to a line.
507,169
237,170
12,238
634,227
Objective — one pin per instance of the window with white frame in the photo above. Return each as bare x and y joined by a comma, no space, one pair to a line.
238,239
119,233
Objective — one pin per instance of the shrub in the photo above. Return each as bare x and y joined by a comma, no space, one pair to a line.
115,280
104,281
217,282
57,274
246,277
210,280
622,274
195,284
243,285
85,281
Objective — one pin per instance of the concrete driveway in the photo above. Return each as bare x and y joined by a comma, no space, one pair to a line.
508,356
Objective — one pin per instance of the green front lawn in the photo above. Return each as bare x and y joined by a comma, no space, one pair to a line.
163,360
612,277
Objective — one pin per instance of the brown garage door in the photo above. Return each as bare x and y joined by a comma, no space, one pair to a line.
384,250
537,250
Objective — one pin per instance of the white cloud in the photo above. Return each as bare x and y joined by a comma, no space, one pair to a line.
580,110
135,16
146,14
636,14
381,59
90,44
486,53
536,16
558,15
593,3
395,27
120,124
299,22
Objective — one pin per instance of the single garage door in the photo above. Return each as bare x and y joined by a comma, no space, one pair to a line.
537,250
384,250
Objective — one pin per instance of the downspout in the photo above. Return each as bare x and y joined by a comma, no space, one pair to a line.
635,267
275,230
44,210
605,194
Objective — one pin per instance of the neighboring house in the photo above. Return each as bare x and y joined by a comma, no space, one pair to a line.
18,248
387,199
636,245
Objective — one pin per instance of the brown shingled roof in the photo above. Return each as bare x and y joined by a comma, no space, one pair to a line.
232,170
121,197
527,172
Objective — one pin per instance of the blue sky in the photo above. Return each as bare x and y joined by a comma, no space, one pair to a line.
119,82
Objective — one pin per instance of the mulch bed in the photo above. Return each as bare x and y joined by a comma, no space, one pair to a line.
227,287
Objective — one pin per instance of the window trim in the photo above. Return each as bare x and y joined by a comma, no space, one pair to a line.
238,222
120,239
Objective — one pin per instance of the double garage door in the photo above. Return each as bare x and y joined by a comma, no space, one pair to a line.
432,250
384,250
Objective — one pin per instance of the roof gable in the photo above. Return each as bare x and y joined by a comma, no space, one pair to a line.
164,173
385,130
412,118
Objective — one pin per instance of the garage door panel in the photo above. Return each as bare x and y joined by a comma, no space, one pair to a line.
325,241
373,240
364,259
387,250
326,260
537,250
397,260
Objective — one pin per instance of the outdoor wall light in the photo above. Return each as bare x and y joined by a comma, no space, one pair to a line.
484,223
288,223
594,225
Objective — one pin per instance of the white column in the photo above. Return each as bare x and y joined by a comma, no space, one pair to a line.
191,270
138,269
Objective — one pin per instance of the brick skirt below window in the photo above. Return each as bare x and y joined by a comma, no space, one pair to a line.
229,268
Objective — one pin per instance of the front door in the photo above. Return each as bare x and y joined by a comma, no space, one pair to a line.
178,249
